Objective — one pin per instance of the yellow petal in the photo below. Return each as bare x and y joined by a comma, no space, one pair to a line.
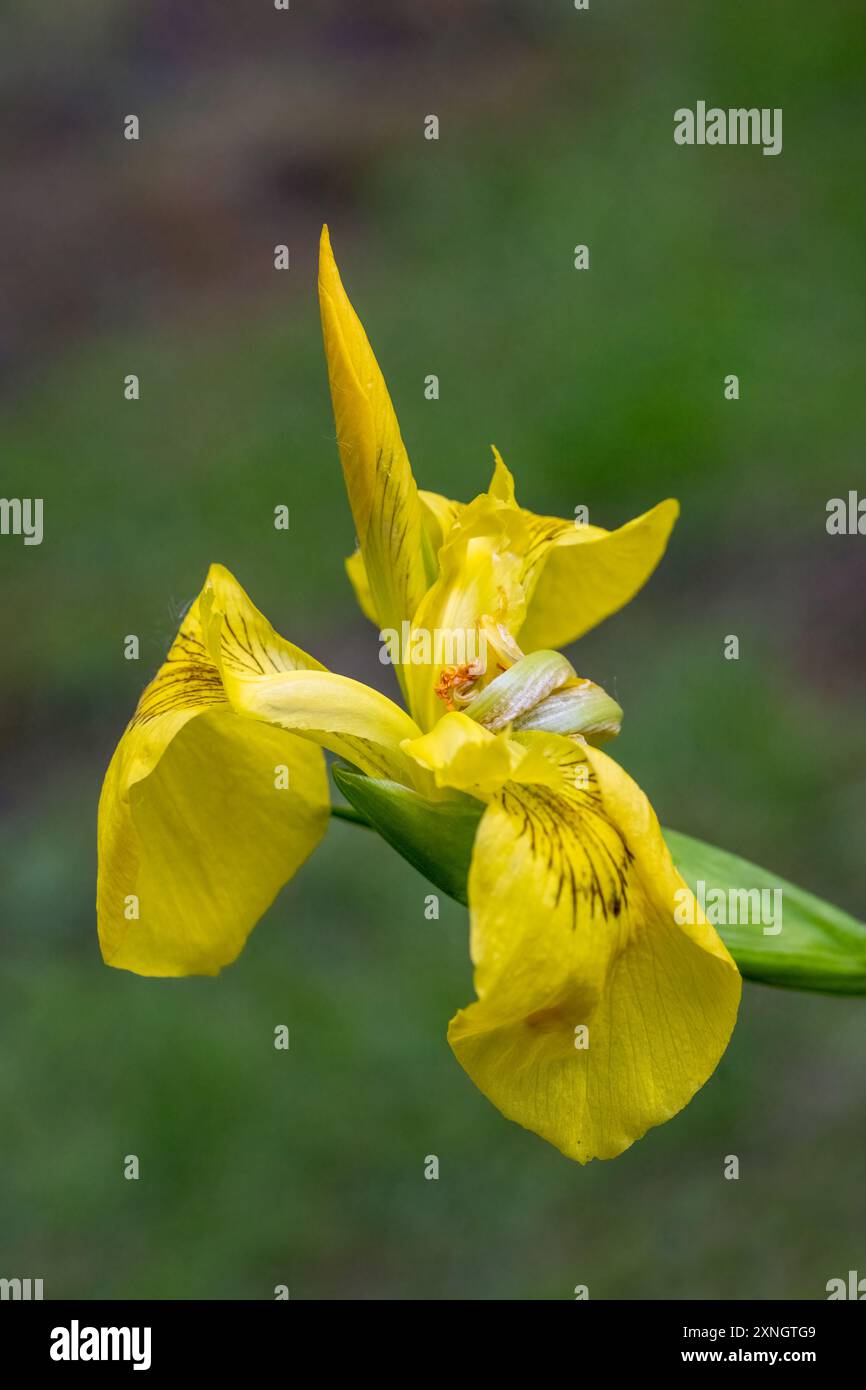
574,939
212,801
464,755
502,482
197,829
576,576
192,854
438,515
582,574
357,572
265,677
382,491
480,568
344,715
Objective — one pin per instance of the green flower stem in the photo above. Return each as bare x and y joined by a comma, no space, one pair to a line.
350,814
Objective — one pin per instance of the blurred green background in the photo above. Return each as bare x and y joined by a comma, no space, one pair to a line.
601,387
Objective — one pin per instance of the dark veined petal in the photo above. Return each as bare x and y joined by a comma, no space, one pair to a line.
597,1015
204,814
217,791
576,576
398,561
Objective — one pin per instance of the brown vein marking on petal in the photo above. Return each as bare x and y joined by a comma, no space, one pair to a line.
187,679
366,754
393,537
584,854
543,533
237,652
243,651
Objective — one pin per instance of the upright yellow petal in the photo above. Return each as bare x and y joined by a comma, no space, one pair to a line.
598,1015
438,515
545,580
382,491
502,482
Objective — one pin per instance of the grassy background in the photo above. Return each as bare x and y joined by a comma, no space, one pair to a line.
602,388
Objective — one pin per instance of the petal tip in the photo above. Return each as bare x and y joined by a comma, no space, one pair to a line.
327,262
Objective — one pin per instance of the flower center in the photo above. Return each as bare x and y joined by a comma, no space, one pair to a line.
457,686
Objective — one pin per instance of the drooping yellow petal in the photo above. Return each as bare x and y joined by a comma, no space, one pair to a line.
344,715
295,692
212,799
192,854
598,1015
263,677
382,491
204,815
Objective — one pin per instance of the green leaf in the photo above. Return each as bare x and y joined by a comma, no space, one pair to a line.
819,947
435,836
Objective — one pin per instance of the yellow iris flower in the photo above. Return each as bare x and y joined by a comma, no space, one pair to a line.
597,1013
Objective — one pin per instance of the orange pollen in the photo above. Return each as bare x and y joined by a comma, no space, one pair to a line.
454,684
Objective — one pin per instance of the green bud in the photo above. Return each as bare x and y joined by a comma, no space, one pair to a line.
516,691
580,707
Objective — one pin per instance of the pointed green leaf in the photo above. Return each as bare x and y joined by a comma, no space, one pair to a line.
435,836
819,947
